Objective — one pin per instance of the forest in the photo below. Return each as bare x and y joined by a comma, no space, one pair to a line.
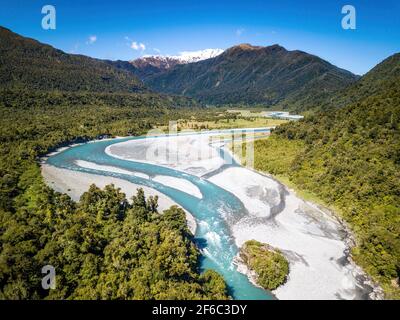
102,247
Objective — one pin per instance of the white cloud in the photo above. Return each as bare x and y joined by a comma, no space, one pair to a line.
240,31
157,50
91,40
138,46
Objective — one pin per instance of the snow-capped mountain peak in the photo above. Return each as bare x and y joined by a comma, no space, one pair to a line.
182,58
151,64
194,56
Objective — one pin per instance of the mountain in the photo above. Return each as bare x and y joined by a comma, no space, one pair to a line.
151,65
29,64
384,76
195,56
349,156
247,74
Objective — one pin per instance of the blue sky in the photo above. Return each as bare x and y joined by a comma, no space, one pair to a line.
171,26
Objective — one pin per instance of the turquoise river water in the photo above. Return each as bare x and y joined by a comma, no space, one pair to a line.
212,212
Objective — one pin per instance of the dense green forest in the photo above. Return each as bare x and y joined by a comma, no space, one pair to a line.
101,247
350,159
269,264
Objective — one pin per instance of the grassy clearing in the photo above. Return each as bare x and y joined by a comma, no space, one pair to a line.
224,123
230,123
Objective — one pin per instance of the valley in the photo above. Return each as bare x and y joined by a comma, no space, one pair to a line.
92,182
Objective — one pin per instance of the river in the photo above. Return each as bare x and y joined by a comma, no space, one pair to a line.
212,211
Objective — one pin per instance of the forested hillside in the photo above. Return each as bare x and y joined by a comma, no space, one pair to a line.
148,66
382,78
249,75
27,63
350,158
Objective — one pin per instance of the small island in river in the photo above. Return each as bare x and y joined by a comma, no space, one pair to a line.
268,265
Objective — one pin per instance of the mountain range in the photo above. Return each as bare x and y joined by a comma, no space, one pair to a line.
151,65
248,75
241,75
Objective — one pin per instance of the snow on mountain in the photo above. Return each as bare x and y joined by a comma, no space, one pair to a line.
182,58
194,56
147,66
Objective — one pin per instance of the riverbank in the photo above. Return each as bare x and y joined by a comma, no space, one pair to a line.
312,241
355,283
311,200
281,157
75,183
315,243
